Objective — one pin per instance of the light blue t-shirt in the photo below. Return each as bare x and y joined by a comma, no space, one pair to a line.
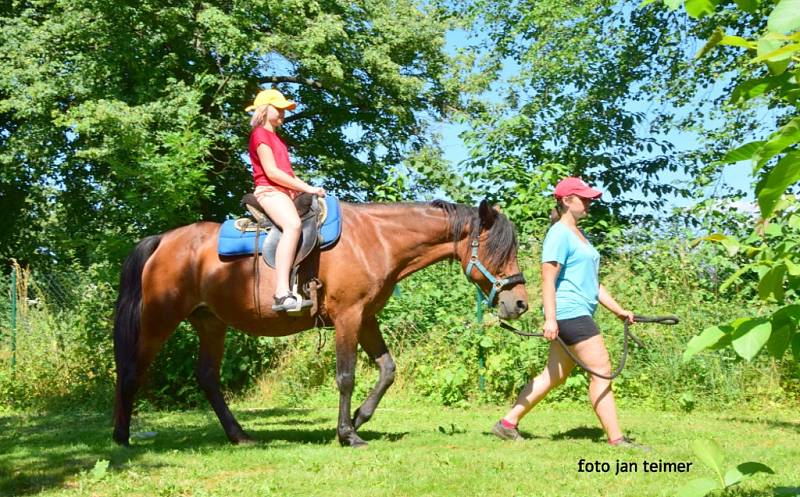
577,285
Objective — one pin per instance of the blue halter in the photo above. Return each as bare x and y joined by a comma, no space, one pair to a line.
497,284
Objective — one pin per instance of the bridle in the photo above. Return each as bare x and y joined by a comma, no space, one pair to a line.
498,284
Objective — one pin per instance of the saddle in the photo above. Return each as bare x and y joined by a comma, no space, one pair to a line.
312,211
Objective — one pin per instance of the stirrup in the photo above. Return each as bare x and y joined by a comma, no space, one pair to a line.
281,305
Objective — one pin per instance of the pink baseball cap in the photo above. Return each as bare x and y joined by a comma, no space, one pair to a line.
575,186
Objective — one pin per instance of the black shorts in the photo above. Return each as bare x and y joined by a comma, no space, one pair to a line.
577,329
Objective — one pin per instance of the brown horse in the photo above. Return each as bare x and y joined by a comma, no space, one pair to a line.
179,275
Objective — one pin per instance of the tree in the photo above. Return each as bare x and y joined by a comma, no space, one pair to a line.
773,246
126,118
602,89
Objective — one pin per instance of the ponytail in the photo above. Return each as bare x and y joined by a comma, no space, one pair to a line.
259,116
557,211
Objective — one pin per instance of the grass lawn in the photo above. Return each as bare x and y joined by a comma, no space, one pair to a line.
414,450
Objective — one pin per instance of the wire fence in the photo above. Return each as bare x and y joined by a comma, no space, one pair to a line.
31,305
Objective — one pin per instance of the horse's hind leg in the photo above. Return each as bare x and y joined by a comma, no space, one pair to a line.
212,333
156,327
372,342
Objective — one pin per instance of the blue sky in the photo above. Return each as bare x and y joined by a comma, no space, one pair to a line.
735,176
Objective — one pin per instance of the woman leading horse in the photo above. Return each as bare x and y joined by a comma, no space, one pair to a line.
178,275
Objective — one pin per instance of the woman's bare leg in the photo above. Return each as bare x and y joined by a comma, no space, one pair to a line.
594,354
559,365
280,208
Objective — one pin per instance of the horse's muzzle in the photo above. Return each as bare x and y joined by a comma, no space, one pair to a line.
511,307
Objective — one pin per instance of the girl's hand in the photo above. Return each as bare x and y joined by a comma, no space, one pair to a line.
550,329
625,315
317,191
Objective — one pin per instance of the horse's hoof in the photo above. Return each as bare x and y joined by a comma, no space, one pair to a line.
121,440
243,439
353,441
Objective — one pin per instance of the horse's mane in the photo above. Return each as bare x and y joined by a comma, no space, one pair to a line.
501,243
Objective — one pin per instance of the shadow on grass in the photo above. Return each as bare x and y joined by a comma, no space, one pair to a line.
582,432
790,425
38,452
761,492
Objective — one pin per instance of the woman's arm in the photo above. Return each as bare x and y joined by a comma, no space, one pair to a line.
280,177
609,303
550,272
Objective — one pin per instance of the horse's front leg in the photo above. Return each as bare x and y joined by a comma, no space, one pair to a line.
347,329
372,342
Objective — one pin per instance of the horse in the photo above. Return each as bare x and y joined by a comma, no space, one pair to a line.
178,275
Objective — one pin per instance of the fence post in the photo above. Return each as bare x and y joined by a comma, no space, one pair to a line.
479,320
14,319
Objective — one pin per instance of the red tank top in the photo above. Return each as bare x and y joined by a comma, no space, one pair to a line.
261,135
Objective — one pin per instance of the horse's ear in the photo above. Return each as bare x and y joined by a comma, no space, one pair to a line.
487,213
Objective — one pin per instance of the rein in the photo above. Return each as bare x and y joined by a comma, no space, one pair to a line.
668,320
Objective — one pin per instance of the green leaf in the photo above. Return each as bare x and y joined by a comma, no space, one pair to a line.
745,152
737,41
785,17
782,53
712,42
731,245
785,137
749,337
779,339
792,268
755,87
700,8
773,229
733,476
788,491
777,68
697,488
707,339
734,277
768,45
100,469
796,347
772,186
747,5
709,454
745,470
673,4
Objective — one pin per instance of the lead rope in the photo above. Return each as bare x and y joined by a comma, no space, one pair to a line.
668,320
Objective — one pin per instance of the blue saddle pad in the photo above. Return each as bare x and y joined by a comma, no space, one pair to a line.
235,242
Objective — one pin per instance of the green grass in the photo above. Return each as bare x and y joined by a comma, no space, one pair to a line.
414,450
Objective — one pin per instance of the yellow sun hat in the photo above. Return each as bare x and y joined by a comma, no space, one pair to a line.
273,98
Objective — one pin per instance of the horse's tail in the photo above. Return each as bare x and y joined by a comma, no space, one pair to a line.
128,315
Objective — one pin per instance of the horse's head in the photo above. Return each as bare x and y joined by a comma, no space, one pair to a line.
490,261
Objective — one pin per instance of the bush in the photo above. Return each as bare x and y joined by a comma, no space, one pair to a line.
443,356
65,347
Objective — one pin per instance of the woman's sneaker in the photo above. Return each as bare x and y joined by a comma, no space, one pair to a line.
627,443
506,433
288,301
